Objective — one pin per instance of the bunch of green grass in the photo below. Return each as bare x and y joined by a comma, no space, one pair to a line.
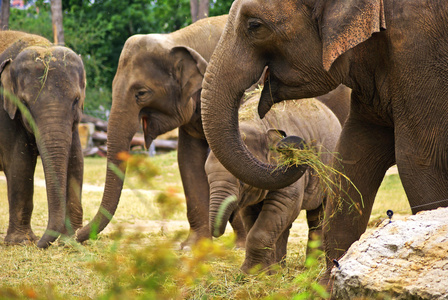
332,179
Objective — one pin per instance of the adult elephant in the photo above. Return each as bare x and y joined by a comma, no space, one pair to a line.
393,56
43,91
158,81
268,214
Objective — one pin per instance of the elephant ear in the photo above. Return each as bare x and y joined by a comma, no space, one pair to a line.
291,141
345,24
6,85
6,80
274,136
190,68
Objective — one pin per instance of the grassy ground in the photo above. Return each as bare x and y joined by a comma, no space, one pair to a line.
135,258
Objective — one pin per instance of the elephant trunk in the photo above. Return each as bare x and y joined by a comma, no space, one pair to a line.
118,141
223,202
221,97
54,149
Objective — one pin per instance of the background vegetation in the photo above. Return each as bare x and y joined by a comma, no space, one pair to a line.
98,30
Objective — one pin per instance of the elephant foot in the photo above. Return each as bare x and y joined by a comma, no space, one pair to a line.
240,243
70,231
267,264
282,262
252,269
21,238
192,239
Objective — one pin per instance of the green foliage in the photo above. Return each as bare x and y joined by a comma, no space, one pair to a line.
98,101
156,271
220,7
310,288
34,20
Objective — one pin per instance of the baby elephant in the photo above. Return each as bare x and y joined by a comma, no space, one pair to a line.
42,91
268,214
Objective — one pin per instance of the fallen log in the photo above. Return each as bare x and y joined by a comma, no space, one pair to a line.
99,124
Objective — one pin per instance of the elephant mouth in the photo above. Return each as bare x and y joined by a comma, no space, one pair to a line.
146,131
156,122
232,216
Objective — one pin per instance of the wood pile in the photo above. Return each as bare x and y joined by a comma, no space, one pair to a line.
93,136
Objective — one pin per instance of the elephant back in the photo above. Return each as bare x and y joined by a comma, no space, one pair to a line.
309,119
13,42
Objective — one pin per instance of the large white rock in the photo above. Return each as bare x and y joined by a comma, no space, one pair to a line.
405,259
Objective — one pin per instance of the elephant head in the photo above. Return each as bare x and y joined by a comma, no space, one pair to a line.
305,48
227,193
157,84
43,87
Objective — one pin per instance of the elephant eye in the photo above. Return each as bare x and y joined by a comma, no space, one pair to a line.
258,30
142,94
253,24
76,102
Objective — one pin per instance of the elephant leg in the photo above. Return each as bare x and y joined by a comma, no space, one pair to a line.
423,166
274,219
282,245
74,211
314,219
238,228
367,152
192,154
249,214
20,181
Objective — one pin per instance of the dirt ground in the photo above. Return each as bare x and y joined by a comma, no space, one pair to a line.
299,230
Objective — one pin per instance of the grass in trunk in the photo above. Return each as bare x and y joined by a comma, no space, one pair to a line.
333,180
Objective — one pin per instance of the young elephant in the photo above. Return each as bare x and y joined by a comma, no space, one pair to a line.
41,100
268,214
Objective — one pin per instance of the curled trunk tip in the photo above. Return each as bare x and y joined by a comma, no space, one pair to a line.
219,219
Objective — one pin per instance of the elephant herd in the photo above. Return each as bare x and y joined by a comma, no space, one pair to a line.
370,79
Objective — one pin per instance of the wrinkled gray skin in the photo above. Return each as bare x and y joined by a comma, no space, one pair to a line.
338,101
392,54
50,82
158,83
268,214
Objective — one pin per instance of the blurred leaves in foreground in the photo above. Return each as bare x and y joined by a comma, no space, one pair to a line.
144,265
